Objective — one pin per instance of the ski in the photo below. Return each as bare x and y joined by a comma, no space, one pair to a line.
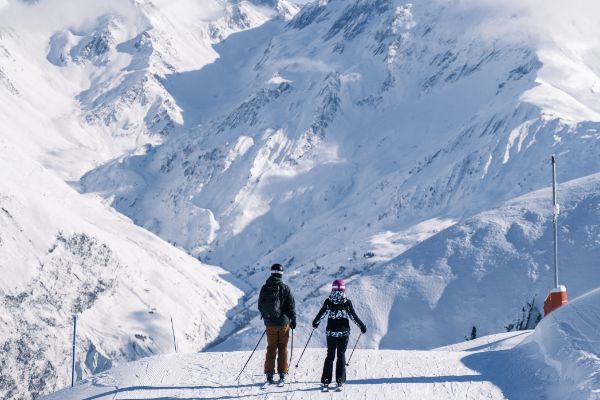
266,385
324,388
339,388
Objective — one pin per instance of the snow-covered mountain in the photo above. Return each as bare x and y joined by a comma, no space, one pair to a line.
402,145
338,140
83,79
81,85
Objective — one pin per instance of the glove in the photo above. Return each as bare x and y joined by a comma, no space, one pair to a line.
363,329
293,324
316,324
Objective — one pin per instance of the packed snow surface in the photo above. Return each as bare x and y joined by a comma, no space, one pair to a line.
478,373
560,360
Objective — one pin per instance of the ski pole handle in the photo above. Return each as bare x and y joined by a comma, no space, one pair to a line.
298,363
351,354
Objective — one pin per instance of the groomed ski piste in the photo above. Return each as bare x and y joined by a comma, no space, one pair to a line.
559,360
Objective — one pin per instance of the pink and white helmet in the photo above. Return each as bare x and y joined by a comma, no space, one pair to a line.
338,285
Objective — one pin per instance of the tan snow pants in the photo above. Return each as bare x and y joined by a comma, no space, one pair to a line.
277,342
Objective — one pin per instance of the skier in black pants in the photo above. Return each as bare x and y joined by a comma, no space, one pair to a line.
338,309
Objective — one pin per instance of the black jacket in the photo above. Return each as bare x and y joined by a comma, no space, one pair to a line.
338,316
288,305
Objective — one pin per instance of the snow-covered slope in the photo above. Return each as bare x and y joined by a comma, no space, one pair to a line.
569,340
64,254
373,374
558,361
491,271
339,140
357,140
344,124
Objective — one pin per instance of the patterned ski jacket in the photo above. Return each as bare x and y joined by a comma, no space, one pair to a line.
338,310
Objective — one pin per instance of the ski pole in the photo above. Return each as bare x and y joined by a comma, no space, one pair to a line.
292,351
351,354
255,347
301,354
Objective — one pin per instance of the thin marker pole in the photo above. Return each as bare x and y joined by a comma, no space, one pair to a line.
173,330
555,212
73,363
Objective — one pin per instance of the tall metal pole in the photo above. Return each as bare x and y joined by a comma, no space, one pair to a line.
555,212
73,363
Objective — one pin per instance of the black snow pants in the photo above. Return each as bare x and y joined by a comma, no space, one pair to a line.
335,345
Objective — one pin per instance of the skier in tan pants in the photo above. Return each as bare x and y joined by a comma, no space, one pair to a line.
277,308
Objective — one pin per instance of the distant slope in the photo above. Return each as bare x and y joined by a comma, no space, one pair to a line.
483,271
81,82
62,254
309,138
492,271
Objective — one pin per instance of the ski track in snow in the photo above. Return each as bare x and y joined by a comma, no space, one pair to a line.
485,371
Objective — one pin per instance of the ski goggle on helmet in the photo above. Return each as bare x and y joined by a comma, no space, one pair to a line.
338,286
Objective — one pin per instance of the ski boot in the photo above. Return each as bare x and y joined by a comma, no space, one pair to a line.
270,380
282,377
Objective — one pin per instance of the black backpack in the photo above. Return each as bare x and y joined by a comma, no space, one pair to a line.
269,302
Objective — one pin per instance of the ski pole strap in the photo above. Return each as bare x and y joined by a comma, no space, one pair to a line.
351,354
255,347
305,346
